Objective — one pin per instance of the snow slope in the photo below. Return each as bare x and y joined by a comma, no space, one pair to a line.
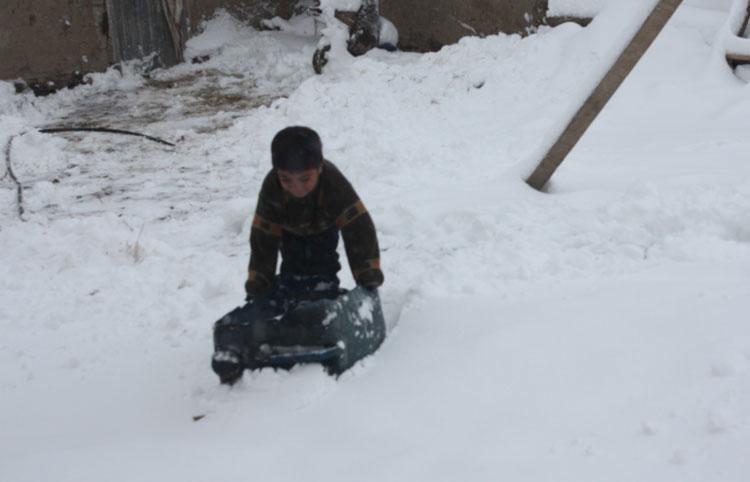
591,8
598,332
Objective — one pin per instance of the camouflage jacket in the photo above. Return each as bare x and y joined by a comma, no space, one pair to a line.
332,207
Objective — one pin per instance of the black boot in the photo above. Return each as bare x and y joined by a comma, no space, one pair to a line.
227,360
228,365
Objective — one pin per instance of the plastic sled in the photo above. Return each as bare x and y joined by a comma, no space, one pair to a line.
334,332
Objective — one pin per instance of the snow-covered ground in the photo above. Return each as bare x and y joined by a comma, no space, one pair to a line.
598,332
591,8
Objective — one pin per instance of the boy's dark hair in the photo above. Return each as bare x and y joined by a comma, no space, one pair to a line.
296,149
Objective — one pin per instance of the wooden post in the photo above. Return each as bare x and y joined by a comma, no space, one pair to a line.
745,23
607,87
740,58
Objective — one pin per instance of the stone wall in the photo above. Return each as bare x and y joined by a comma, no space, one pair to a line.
52,39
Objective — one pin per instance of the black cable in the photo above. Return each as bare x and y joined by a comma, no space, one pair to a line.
53,130
9,170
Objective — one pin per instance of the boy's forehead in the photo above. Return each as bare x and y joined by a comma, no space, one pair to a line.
285,173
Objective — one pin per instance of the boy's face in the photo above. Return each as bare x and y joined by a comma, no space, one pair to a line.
301,183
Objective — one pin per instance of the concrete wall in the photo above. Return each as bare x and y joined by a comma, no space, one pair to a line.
52,39
250,10
430,24
60,40
423,24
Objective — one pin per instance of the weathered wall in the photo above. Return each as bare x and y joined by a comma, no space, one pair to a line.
139,28
429,24
52,39
59,40
423,24
250,10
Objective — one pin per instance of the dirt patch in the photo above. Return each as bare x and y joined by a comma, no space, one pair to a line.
206,100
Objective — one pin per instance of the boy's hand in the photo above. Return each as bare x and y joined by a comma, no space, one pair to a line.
370,288
370,279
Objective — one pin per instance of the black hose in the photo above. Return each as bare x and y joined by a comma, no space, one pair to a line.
53,130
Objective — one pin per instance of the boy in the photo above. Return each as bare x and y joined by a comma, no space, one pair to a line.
303,205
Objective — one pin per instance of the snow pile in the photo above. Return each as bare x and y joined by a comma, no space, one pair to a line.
596,332
388,32
234,48
732,39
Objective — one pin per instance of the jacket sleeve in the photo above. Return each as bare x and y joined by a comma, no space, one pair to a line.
360,238
265,237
